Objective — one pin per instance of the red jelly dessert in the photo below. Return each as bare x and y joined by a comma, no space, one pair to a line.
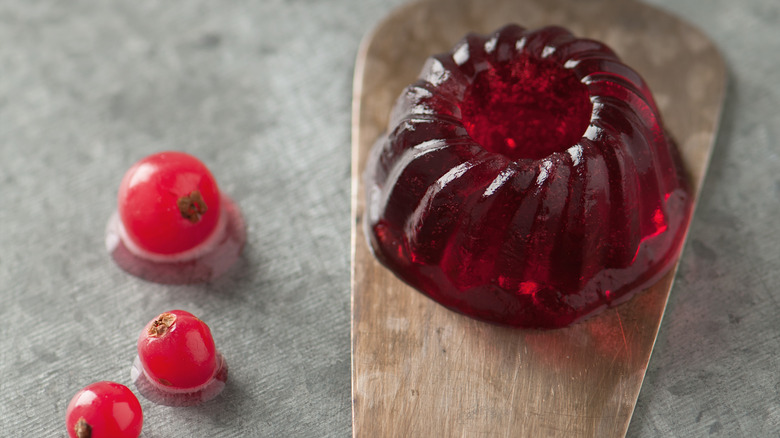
173,225
527,180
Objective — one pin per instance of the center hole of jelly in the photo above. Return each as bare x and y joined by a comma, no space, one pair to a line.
527,109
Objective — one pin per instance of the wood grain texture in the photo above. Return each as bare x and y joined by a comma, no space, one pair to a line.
420,370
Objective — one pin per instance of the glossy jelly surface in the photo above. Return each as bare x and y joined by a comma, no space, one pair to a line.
526,180
527,109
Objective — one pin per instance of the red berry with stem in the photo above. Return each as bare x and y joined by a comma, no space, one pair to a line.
104,410
177,351
169,203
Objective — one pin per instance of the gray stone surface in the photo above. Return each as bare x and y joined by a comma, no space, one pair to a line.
261,92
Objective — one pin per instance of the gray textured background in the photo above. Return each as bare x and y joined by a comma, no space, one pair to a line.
260,90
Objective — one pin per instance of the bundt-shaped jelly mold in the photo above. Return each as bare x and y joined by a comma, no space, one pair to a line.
526,180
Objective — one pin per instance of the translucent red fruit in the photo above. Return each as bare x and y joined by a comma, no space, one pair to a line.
173,225
177,351
104,410
169,203
177,362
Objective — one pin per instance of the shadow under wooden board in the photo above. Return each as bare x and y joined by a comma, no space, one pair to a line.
420,370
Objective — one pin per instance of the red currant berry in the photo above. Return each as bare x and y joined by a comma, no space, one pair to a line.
104,410
173,225
177,352
169,203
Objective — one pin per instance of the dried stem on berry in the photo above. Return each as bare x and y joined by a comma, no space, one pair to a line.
161,325
192,206
83,429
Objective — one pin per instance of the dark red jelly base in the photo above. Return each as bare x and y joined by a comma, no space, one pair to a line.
527,180
203,268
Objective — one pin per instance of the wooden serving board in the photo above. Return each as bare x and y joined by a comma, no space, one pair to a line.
420,370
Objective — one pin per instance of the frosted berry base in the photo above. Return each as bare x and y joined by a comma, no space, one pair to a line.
179,397
203,267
